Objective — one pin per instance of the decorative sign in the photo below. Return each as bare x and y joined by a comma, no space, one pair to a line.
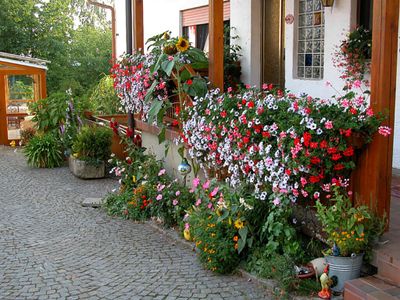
289,19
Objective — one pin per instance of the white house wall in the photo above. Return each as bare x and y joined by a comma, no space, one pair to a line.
396,149
338,21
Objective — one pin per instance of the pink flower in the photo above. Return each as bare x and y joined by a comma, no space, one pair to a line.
357,84
265,86
206,185
229,90
198,202
328,125
187,225
162,172
214,191
175,202
384,130
370,112
248,86
170,58
159,197
276,201
160,187
209,205
196,182
303,181
177,193
316,195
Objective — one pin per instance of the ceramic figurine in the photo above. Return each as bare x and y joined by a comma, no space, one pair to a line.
335,250
326,282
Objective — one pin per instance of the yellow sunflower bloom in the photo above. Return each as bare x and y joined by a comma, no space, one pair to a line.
182,45
239,224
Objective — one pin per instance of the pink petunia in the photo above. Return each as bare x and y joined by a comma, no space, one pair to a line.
384,130
214,191
276,201
175,202
162,172
328,125
177,193
206,185
159,197
196,182
198,202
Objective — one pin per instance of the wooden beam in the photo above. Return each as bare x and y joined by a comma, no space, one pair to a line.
216,42
372,179
138,25
3,108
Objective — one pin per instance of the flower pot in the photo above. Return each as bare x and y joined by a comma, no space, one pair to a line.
84,170
344,268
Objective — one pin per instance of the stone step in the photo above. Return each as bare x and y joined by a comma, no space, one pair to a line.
370,288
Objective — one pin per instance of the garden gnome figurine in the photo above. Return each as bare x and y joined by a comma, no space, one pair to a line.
325,284
335,250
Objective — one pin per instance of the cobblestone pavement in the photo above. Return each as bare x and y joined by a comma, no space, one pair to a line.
52,248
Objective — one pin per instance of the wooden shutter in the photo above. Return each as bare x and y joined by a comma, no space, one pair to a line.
199,15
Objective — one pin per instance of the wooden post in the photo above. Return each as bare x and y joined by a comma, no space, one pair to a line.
372,179
138,25
216,41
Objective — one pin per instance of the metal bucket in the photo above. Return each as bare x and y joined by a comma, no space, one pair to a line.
344,268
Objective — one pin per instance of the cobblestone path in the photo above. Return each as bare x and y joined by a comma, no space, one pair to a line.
52,248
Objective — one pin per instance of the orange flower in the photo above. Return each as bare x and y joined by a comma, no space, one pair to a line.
235,238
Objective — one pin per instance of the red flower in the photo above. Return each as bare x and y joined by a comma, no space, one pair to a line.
332,150
129,132
345,132
349,151
338,167
307,138
250,104
353,111
266,134
189,82
323,144
223,114
246,139
175,122
314,179
336,156
314,145
177,110
315,160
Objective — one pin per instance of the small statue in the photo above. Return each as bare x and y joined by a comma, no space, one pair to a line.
335,250
326,282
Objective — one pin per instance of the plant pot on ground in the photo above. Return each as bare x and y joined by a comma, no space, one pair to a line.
90,150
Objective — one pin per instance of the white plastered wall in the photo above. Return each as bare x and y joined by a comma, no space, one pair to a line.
396,131
338,21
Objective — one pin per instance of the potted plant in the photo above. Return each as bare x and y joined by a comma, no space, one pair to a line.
90,149
348,235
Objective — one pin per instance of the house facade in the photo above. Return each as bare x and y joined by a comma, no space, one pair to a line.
280,43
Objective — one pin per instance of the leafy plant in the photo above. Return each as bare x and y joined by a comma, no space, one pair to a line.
346,226
104,99
44,151
49,113
92,144
232,69
27,134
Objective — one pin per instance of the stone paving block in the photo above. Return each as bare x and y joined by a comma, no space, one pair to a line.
51,247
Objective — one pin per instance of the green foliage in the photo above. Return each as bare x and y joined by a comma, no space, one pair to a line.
45,29
26,135
44,151
232,54
92,144
49,113
103,99
345,225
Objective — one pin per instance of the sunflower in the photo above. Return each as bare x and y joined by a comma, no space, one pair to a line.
182,44
239,224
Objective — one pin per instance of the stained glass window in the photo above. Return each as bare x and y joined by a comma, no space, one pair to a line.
310,42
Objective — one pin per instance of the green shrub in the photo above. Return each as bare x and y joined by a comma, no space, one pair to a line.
26,135
93,144
49,113
44,151
104,99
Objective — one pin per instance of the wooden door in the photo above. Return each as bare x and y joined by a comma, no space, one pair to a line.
273,33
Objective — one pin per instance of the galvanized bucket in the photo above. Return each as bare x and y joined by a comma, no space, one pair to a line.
344,268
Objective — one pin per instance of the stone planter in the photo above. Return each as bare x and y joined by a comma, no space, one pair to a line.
83,170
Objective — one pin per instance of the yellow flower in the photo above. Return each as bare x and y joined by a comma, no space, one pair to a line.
12,144
133,178
213,234
186,234
182,45
239,224
75,155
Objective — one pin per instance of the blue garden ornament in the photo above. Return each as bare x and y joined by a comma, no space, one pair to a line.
184,168
335,250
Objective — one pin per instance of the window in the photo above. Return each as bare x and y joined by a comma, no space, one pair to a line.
310,44
364,17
